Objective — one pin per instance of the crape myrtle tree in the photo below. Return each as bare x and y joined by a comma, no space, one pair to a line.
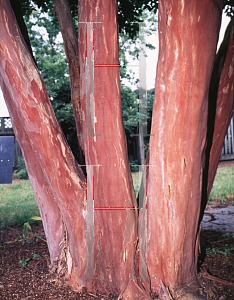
92,224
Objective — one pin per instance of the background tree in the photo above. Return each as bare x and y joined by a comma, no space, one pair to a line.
49,52
43,31
92,242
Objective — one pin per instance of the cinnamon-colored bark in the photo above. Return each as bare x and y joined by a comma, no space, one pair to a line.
224,102
58,182
105,148
93,238
70,39
188,33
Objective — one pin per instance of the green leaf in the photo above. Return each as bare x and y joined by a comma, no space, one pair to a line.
27,225
39,237
24,262
35,219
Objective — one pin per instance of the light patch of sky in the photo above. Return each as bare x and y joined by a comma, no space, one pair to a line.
151,62
37,28
152,58
3,108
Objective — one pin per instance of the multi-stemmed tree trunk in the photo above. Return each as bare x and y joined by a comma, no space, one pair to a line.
188,35
91,224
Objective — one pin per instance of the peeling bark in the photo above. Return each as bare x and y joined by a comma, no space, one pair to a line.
15,4
188,34
224,103
220,110
52,221
70,39
92,238
58,182
105,148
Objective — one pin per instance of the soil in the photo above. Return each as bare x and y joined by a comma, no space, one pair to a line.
24,268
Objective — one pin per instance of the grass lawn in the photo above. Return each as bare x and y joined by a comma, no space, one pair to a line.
223,186
18,204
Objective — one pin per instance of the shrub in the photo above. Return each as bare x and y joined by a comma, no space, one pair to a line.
21,172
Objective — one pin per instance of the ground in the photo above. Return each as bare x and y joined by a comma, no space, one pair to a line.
24,268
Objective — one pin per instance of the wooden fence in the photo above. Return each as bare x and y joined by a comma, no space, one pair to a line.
227,151
7,130
228,145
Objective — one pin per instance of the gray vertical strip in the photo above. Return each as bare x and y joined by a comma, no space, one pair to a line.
142,184
142,168
90,225
90,81
142,92
142,111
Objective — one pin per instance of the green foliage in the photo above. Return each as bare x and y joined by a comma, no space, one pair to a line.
213,251
228,235
62,106
17,203
132,45
129,107
25,261
129,12
133,164
27,227
223,186
48,51
21,172
132,117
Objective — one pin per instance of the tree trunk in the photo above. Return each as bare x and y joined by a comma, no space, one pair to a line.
57,181
115,215
188,34
224,104
220,111
109,210
91,225
70,39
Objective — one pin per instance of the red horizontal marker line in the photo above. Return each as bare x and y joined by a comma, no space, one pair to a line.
106,65
115,208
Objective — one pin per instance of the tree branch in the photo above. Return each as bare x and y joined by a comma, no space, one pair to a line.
42,141
70,39
225,100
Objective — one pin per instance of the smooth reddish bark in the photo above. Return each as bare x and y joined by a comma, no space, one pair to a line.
224,102
57,180
70,39
107,151
61,198
188,34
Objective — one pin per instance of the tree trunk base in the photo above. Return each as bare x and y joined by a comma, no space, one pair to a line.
192,291
190,296
133,291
